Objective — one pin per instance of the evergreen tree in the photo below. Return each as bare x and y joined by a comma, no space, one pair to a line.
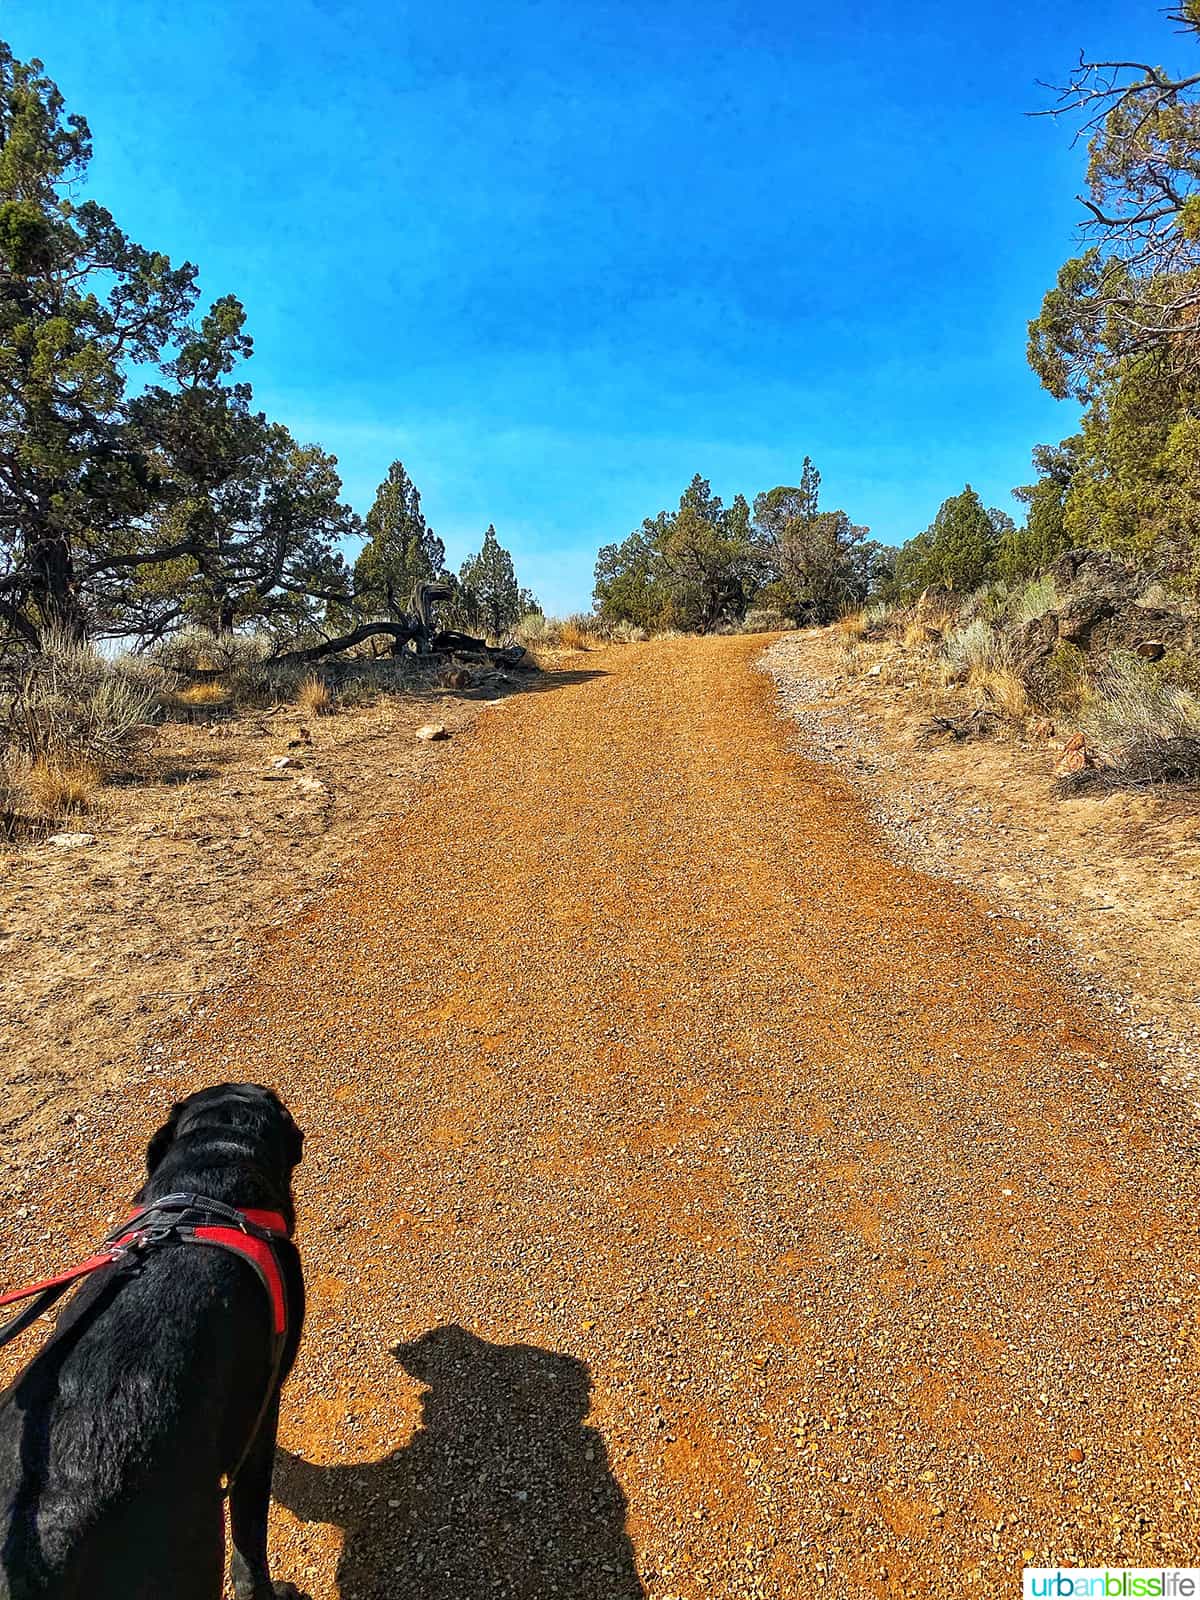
402,548
1026,551
956,552
820,562
491,592
79,303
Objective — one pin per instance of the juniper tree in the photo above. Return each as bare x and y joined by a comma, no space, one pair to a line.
402,549
80,303
491,597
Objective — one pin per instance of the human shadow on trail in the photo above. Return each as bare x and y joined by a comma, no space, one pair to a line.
502,1494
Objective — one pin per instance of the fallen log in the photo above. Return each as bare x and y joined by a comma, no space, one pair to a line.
462,644
402,634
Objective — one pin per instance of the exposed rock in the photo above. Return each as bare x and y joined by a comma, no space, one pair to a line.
1031,642
282,761
71,841
1075,757
433,730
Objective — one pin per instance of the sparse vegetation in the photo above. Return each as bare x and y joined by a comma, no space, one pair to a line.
762,619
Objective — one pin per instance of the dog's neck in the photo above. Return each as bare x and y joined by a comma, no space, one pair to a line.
229,1170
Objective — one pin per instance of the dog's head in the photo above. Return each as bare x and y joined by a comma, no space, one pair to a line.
231,1114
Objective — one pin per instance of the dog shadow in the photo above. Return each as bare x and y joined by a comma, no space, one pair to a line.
502,1492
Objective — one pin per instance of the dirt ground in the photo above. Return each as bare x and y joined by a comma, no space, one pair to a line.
697,1200
210,845
1108,879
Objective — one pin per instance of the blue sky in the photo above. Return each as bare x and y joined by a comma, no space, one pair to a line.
558,255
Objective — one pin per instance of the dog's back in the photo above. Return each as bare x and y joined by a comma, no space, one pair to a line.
161,1380
113,1441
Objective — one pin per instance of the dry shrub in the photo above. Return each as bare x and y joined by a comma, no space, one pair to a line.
16,803
627,633
73,708
531,627
574,633
203,694
847,652
1147,726
762,619
200,650
1004,689
314,698
853,625
57,790
1060,681
976,647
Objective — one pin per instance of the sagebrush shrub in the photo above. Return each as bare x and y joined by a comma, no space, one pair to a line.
71,707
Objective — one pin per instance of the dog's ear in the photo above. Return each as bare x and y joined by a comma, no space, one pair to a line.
294,1135
163,1139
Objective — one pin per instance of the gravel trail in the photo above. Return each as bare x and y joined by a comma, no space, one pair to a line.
697,1202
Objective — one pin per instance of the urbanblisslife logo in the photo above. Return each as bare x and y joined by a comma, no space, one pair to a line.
1121,1583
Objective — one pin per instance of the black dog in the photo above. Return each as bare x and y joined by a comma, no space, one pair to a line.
115,1439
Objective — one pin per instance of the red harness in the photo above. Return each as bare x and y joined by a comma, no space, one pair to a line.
189,1219
249,1236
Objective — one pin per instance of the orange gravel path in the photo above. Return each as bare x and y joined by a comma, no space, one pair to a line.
696,1202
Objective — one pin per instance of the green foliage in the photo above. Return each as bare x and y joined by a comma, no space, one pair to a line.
489,595
133,508
956,553
79,303
1032,600
402,549
1026,551
630,584
1119,332
706,564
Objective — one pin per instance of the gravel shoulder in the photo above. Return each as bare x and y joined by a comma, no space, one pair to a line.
1106,882
697,1201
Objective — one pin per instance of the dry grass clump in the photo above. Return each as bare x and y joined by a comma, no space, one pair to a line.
1004,689
1147,726
56,790
847,652
853,625
211,693
314,697
577,632
919,635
